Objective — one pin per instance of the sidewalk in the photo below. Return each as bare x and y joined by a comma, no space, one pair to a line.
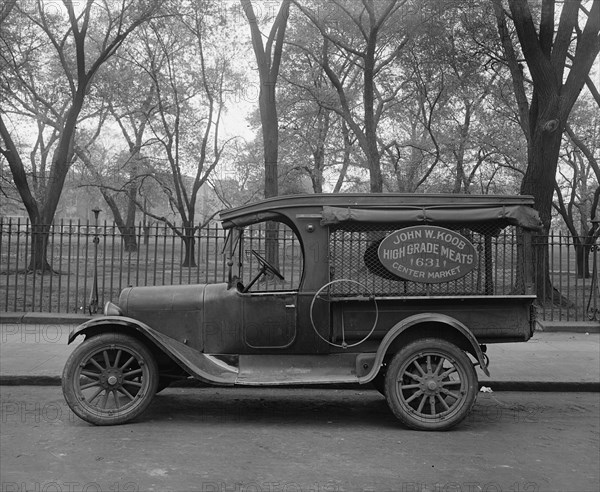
33,351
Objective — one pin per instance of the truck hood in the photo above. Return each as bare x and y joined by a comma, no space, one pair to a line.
137,300
173,310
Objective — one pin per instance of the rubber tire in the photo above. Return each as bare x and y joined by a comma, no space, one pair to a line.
83,352
404,357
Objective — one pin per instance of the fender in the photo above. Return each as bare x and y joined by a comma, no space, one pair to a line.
201,366
417,319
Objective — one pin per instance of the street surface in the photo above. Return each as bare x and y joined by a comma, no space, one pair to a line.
252,440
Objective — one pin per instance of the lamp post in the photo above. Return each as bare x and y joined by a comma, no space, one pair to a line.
93,306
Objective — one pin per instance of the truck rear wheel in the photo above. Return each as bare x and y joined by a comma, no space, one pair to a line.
431,384
110,379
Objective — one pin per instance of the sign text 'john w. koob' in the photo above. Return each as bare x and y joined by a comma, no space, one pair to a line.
427,254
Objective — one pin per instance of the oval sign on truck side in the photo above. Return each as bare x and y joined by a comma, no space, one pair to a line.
428,254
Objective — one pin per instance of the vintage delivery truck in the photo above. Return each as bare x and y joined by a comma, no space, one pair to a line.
401,291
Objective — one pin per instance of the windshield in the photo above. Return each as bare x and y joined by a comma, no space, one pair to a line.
272,243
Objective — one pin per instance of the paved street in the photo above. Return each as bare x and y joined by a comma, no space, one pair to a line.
253,440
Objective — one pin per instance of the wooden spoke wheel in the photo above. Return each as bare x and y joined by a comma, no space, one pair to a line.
110,379
431,384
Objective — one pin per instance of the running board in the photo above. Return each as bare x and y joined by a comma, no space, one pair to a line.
273,370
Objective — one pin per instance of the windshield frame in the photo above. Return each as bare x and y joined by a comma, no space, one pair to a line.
232,242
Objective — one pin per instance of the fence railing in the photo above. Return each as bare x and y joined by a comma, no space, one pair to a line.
575,294
159,255
67,287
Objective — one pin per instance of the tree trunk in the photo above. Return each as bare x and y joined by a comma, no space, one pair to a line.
348,148
126,228
189,245
272,243
268,116
539,179
317,175
376,178
372,150
38,260
129,236
460,179
582,255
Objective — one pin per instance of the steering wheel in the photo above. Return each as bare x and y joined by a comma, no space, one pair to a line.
324,294
267,266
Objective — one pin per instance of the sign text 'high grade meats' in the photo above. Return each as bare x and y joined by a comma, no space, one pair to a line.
428,254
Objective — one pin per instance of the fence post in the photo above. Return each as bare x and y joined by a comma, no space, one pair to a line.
93,307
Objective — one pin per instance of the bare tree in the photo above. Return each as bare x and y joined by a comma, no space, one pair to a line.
578,198
311,131
415,157
78,43
190,82
268,59
367,34
559,58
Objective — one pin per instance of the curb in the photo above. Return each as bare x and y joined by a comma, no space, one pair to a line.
569,326
44,318
525,386
543,386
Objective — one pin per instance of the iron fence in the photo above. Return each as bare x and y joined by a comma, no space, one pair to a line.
67,286
158,259
573,293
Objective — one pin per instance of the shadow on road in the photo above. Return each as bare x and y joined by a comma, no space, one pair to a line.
274,406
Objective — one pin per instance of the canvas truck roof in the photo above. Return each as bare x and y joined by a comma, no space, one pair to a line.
392,208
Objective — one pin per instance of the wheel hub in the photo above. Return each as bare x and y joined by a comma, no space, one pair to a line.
111,378
430,384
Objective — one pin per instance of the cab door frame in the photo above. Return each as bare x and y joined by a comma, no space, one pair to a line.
269,319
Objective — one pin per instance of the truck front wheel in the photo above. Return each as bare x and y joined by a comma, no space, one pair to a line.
110,379
431,384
